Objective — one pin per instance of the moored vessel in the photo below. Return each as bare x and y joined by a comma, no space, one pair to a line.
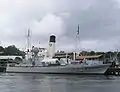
45,63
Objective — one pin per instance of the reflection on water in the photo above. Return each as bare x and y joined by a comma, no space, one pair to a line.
58,83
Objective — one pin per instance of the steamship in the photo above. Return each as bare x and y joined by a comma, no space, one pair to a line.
43,62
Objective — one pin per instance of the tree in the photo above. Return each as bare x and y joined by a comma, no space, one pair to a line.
1,50
92,53
12,50
100,53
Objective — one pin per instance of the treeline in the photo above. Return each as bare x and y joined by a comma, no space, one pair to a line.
108,54
105,55
11,50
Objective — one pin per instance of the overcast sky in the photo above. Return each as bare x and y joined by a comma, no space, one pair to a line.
99,22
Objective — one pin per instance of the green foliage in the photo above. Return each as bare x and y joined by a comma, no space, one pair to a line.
11,50
1,48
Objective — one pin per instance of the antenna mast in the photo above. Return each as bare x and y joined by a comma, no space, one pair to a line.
28,40
78,41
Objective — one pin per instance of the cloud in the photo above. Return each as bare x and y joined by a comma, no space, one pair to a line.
98,20
50,24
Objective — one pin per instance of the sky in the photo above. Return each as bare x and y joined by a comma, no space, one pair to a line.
99,22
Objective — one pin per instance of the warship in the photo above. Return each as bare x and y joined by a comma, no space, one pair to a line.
38,61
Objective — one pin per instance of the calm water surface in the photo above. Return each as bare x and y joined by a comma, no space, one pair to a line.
58,83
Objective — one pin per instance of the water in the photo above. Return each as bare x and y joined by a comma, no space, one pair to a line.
58,83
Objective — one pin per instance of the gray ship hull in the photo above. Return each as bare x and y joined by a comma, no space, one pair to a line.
68,69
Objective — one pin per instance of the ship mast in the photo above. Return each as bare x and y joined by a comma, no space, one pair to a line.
28,40
78,41
77,51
